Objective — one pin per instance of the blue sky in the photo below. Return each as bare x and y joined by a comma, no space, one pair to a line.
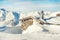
31,5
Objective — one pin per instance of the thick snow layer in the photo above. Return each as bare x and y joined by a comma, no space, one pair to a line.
8,31
32,36
33,28
9,19
52,28
55,20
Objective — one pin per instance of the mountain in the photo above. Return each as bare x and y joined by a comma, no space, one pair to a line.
8,18
12,19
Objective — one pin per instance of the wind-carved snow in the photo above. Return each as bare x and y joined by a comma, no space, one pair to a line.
55,20
8,19
35,27
11,19
2,15
2,19
16,18
33,32
53,28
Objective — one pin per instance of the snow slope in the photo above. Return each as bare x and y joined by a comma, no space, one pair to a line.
9,29
32,36
8,19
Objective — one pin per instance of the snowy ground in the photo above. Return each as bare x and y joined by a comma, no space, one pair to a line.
32,36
